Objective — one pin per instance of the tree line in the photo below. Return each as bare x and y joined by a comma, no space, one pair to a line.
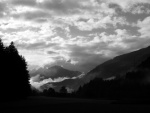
14,76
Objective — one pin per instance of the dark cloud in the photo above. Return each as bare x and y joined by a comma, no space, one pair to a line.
132,30
38,16
80,52
62,6
58,58
86,57
41,20
35,15
24,2
61,32
133,44
129,14
140,43
51,52
3,8
34,46
140,8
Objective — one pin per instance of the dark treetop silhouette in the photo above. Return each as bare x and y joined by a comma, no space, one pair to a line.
14,74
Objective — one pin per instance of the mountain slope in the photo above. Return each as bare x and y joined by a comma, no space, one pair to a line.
54,72
120,64
132,85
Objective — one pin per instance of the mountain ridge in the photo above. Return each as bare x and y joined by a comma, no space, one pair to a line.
54,72
120,64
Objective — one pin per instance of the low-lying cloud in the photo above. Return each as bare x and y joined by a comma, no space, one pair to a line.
37,83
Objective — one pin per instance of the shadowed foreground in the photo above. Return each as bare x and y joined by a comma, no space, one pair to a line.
68,105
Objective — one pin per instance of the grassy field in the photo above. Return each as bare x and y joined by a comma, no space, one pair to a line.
71,105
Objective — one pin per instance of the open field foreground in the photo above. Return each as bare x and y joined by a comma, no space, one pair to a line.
68,105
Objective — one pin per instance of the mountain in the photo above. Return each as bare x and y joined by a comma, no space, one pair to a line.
54,72
119,65
110,69
56,77
133,85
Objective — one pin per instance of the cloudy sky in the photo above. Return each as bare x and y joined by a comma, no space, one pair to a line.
78,34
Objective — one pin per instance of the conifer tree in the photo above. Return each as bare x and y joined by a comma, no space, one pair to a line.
14,74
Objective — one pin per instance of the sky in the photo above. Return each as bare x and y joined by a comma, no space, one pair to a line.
76,34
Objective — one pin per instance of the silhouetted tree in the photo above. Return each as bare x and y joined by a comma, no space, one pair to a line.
49,92
1,46
14,74
63,90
